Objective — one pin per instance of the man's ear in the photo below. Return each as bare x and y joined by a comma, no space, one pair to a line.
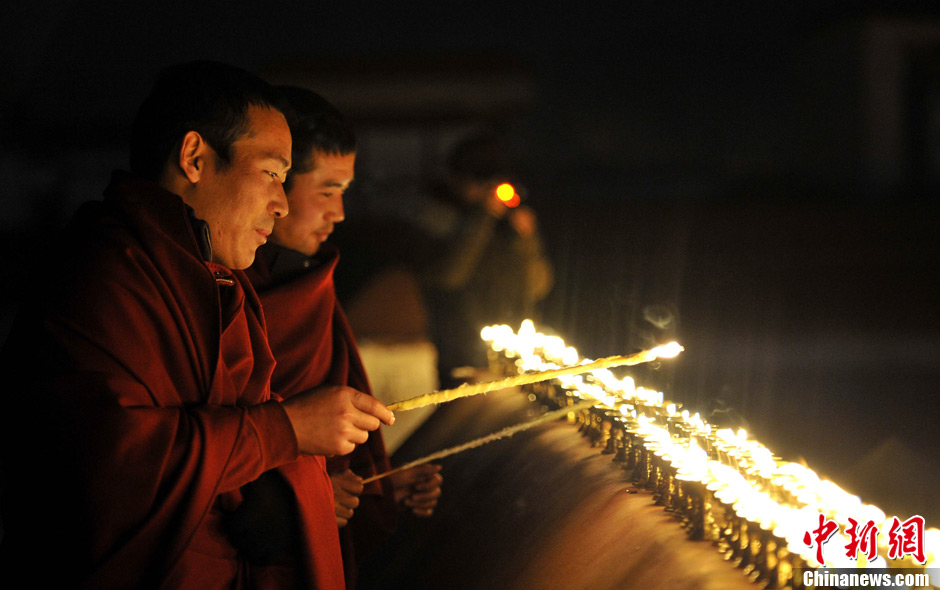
192,156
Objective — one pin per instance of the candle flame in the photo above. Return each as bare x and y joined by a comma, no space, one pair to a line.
527,329
571,356
932,543
779,496
553,347
667,351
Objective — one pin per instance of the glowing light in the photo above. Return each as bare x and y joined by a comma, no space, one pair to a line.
507,194
667,351
529,363
553,348
783,497
627,386
527,329
932,543
571,356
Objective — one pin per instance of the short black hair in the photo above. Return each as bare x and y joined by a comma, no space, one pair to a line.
208,97
315,125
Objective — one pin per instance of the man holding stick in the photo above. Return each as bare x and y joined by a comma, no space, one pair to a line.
141,371
308,331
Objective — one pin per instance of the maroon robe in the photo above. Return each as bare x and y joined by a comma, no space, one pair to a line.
140,405
314,345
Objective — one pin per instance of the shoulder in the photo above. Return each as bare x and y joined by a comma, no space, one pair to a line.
101,273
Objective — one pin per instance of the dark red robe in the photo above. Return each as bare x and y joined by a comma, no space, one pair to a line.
139,403
314,346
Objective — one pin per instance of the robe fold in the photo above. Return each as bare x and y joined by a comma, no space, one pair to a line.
138,403
314,346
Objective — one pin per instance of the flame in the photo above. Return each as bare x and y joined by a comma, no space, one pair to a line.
553,347
932,545
667,351
779,496
527,328
570,357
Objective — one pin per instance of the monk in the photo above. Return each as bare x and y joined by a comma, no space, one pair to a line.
309,333
138,404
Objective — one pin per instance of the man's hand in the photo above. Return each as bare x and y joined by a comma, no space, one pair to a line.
523,221
494,206
418,489
333,419
347,487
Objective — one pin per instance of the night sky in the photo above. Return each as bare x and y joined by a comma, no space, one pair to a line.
702,156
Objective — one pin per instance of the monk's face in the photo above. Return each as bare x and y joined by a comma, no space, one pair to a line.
240,200
316,202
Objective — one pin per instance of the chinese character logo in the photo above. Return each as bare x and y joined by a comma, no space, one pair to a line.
820,535
864,540
907,538
904,538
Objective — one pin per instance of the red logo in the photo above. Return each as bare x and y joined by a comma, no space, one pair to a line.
907,538
904,538
826,529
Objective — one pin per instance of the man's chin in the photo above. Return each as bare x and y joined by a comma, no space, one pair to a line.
245,262
310,249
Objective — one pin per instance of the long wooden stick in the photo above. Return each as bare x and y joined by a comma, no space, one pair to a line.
466,390
583,405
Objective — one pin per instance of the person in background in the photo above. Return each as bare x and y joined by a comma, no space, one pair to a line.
485,262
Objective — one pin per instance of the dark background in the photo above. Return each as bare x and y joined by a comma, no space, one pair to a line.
768,171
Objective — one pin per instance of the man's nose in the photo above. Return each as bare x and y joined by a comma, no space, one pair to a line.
336,212
278,206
